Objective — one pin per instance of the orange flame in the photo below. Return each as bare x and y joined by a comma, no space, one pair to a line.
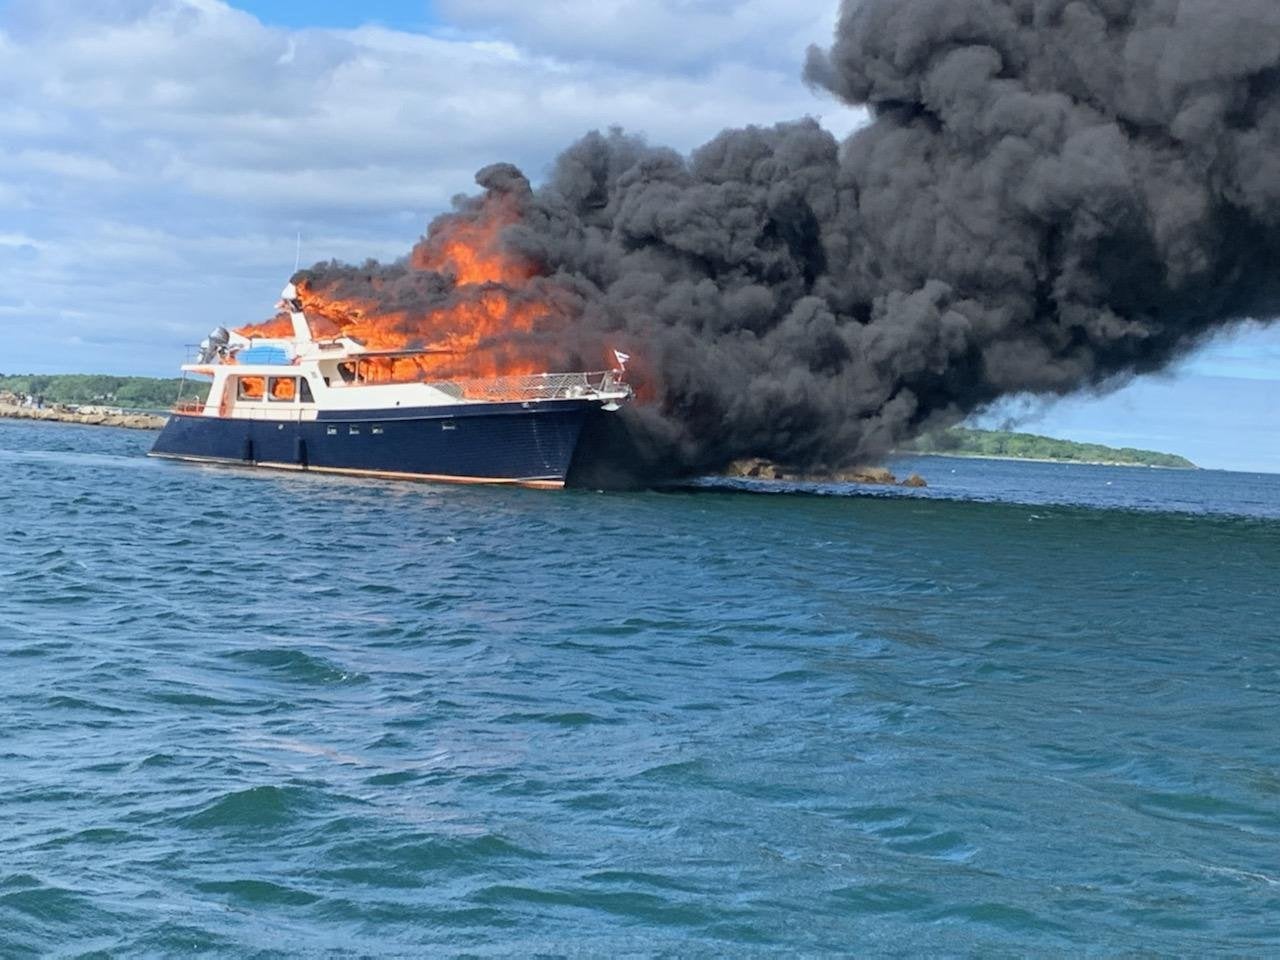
491,300
283,388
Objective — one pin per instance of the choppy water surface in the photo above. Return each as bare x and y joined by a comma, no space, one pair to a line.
263,715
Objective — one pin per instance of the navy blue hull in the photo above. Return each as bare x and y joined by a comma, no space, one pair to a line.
493,443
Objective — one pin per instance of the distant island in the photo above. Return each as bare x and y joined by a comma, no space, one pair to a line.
1003,444
78,389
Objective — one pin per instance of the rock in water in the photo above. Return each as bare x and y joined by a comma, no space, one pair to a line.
873,475
757,468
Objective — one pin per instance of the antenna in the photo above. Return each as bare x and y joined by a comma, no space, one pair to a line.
297,256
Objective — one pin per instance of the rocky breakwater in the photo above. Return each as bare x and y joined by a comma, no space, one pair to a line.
89,416
757,469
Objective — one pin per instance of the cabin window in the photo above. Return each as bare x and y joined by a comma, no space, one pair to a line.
377,430
304,392
283,389
251,388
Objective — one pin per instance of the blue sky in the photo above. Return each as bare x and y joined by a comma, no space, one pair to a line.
399,14
159,157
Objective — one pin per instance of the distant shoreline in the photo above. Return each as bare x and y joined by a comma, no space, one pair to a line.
91,418
1007,445
1083,463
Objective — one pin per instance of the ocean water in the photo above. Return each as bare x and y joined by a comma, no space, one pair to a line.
1033,710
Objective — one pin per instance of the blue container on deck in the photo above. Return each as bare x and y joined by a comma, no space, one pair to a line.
268,356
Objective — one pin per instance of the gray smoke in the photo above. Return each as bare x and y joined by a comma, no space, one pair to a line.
1052,195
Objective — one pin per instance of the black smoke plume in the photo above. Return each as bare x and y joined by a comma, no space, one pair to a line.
1051,195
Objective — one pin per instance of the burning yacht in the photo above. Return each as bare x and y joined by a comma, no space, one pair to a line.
301,402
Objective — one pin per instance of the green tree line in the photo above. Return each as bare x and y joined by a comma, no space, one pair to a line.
963,441
131,393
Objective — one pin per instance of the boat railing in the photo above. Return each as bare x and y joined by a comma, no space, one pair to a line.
189,406
537,386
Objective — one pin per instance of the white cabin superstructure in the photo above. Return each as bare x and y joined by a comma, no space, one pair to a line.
272,378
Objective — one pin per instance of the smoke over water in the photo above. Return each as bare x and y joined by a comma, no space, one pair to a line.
1052,194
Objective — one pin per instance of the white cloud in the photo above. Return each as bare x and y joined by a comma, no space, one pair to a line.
164,152
207,96
18,240
61,164
690,35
